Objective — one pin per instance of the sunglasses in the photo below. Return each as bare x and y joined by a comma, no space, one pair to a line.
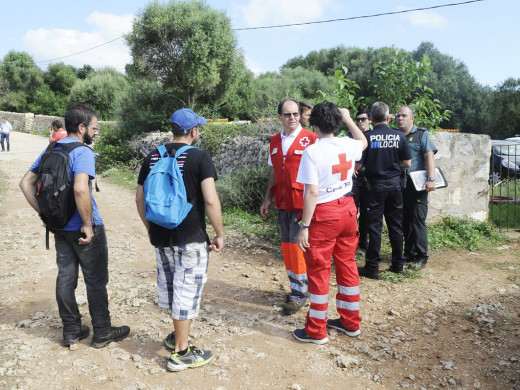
289,114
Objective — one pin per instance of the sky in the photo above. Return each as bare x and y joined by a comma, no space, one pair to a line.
483,35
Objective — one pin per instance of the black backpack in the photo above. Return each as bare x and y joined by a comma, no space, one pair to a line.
54,192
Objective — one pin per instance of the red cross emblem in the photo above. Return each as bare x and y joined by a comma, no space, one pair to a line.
304,141
343,166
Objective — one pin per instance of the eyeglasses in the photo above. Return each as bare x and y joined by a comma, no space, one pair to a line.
361,119
289,114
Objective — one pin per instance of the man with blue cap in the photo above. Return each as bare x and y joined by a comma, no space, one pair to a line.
182,253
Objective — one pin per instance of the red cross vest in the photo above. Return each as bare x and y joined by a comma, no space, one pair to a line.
288,194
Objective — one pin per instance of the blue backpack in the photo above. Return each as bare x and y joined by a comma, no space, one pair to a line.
165,200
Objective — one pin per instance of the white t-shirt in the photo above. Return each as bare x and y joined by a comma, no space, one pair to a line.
287,141
329,164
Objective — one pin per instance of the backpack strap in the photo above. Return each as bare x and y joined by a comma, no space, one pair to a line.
162,151
182,150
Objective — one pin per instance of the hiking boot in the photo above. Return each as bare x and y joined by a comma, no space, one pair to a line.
70,339
368,274
192,359
300,335
169,341
116,333
292,307
336,324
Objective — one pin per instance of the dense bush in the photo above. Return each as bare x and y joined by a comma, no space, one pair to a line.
244,189
112,149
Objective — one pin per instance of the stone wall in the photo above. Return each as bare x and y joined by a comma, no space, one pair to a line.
464,159
39,124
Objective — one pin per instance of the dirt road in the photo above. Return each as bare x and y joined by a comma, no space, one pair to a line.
457,327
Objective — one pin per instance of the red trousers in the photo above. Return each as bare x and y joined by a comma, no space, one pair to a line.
333,233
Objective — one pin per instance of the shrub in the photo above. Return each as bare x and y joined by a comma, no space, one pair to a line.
112,149
244,189
463,233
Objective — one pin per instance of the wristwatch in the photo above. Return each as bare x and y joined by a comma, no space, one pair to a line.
431,179
303,226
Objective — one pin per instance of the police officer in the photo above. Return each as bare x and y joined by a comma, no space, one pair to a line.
386,154
415,202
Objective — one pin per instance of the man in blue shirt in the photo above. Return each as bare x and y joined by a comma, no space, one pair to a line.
82,241
415,203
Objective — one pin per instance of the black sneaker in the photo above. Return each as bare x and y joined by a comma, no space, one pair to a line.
336,324
116,333
301,335
169,341
192,359
73,339
368,274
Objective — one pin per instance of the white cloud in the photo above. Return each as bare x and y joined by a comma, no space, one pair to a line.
253,66
47,44
425,19
270,12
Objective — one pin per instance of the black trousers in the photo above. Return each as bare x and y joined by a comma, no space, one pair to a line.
359,188
415,210
384,200
93,259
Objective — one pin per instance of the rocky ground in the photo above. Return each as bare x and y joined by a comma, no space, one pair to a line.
456,327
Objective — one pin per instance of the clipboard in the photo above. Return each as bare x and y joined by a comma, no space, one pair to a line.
419,179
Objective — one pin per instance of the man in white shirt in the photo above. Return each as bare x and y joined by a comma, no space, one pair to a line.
6,130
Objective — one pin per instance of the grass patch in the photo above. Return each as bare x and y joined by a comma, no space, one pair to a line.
465,233
411,273
253,225
121,176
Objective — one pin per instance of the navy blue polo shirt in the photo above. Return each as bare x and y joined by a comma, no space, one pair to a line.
386,147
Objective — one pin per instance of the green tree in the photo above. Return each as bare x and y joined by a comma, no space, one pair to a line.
451,80
503,110
296,83
85,71
399,80
22,79
101,91
187,46
60,78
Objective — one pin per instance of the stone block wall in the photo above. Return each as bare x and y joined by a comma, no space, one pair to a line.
464,159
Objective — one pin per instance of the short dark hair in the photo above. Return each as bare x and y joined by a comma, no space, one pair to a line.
379,112
363,111
326,116
78,115
57,124
280,105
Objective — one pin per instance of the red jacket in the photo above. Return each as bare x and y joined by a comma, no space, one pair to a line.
288,194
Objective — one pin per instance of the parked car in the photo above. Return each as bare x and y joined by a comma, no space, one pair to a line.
506,159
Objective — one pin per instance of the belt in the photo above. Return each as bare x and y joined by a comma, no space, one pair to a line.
392,180
348,194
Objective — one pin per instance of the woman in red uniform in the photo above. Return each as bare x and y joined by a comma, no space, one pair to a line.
329,227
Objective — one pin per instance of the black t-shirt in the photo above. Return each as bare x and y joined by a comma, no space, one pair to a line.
386,147
195,166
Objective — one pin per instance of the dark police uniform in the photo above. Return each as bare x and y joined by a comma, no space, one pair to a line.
416,202
386,148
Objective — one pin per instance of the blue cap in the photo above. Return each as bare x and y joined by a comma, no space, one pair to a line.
186,120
